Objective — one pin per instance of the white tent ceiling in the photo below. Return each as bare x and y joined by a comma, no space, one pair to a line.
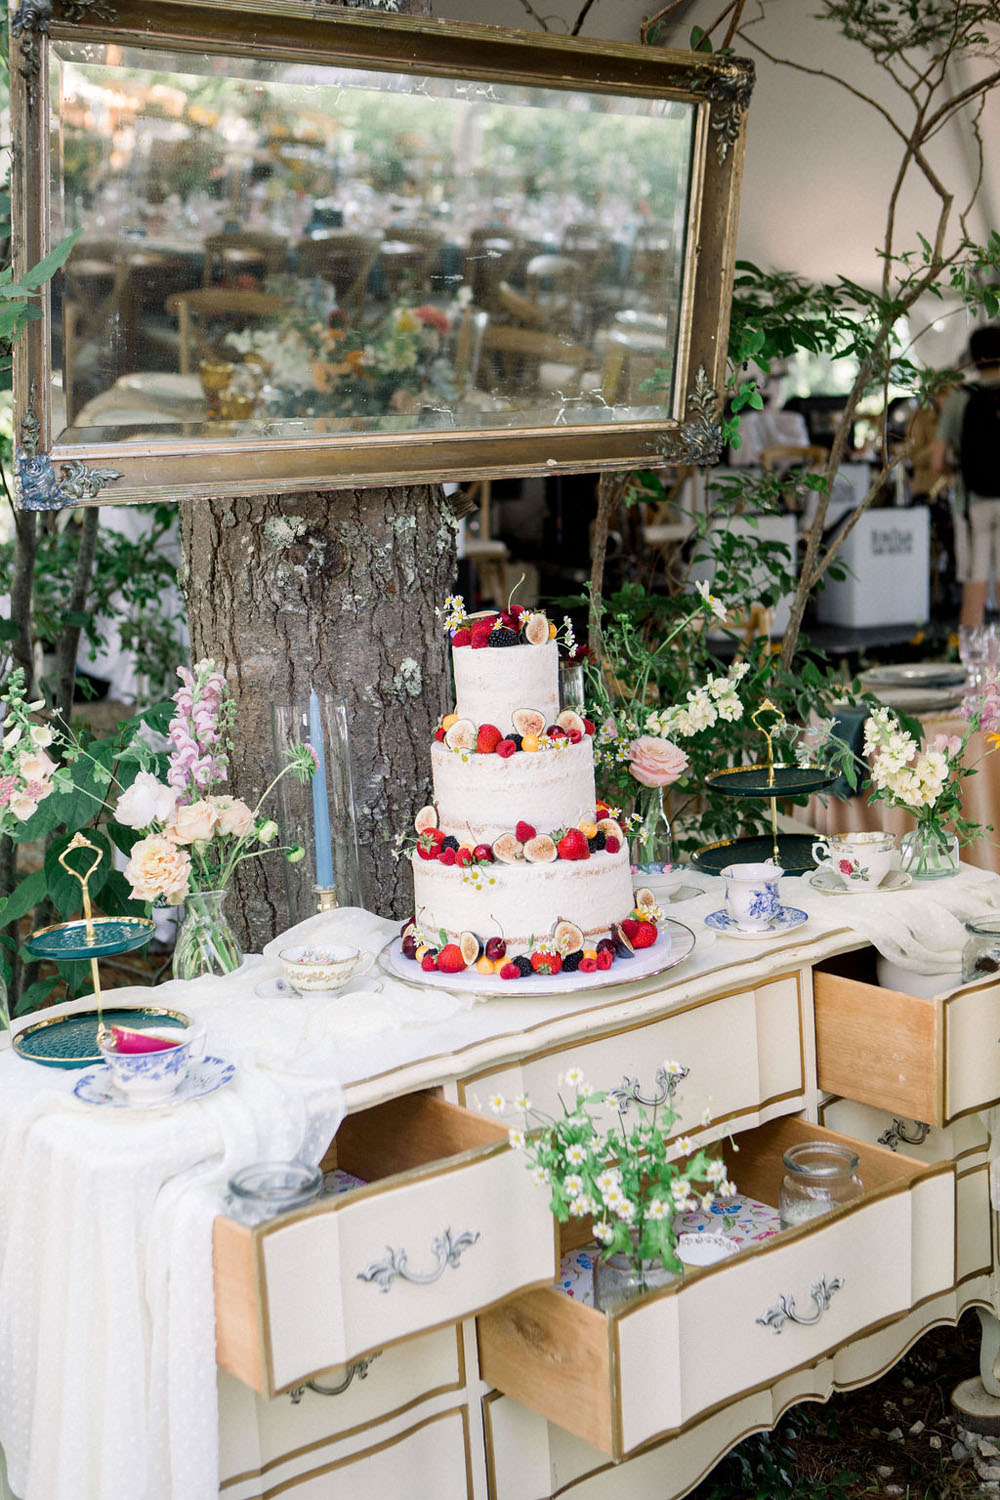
820,162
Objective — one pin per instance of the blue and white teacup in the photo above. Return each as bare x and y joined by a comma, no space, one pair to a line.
152,1077
752,894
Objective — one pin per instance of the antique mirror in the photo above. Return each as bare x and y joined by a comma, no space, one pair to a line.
323,248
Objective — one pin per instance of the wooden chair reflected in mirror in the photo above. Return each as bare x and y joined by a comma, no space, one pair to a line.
525,364
205,316
256,253
554,284
344,258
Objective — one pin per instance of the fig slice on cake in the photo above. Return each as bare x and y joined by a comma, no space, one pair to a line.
644,896
567,937
536,632
469,946
508,849
540,850
570,719
426,818
462,735
527,721
608,826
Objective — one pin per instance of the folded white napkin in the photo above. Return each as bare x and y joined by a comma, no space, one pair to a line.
921,928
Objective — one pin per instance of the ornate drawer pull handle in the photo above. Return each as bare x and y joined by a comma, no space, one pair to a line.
446,1247
359,1369
784,1312
897,1133
666,1082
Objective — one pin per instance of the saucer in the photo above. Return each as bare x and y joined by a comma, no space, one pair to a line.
280,989
831,885
788,918
204,1077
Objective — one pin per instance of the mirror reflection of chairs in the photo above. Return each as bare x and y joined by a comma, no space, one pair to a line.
235,254
206,315
524,364
344,258
489,264
553,283
403,269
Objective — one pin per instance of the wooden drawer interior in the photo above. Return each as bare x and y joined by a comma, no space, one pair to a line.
570,1363
880,1047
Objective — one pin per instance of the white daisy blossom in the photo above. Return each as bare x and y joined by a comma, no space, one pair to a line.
498,1104
625,1210
613,1197
716,606
522,1102
728,1189
576,1155
573,1185
580,1207
673,1068
475,1101
679,1191
608,1181
685,1145
715,1171
572,1078
706,1115
603,1232
540,1176
706,1202
658,1209
516,1139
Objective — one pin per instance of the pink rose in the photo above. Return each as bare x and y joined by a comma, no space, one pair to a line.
158,868
234,816
193,823
656,762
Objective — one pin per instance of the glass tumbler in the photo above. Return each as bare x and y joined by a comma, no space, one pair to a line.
268,1188
981,954
819,1176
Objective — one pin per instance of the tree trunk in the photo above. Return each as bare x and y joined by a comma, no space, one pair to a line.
334,590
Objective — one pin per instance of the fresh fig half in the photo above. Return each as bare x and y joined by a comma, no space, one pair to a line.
427,817
540,850
469,946
567,937
527,721
623,948
508,849
463,735
536,632
570,719
644,896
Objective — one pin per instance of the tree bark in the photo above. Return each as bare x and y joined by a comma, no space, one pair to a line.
332,590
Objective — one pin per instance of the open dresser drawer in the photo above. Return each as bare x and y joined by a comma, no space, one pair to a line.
929,1060
648,1368
448,1223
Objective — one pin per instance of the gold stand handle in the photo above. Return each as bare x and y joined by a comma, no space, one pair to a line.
79,841
767,707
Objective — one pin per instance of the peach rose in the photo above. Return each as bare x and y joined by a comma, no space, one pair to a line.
158,868
656,762
193,823
234,816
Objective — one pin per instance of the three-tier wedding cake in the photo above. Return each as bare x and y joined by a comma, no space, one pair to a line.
517,868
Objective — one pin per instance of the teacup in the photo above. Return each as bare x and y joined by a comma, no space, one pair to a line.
150,1077
860,860
752,894
313,970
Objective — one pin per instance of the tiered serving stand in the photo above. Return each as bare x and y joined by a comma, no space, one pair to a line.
71,1041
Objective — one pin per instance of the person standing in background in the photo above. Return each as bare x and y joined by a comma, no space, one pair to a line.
968,439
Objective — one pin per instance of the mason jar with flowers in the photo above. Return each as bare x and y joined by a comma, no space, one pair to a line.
610,1157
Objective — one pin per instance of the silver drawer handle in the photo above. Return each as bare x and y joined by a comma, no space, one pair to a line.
666,1083
358,1369
897,1133
447,1248
784,1312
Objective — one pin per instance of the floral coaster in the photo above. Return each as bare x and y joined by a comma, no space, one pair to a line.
339,1181
741,1219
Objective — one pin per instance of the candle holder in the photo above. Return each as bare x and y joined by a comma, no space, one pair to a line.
318,814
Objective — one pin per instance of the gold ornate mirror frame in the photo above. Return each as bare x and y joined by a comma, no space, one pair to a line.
674,417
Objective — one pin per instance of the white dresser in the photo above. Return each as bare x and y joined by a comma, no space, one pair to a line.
406,1337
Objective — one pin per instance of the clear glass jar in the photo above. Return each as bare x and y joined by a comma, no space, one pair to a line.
981,954
819,1176
929,853
268,1188
206,944
620,1278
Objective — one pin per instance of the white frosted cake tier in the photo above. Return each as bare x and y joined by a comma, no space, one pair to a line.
491,683
523,901
479,797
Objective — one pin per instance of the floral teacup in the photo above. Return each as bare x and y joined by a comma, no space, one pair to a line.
860,860
752,894
317,969
152,1076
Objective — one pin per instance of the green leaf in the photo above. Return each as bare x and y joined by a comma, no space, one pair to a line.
49,264
36,995
25,896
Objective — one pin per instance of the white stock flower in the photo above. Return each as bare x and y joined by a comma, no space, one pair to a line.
145,802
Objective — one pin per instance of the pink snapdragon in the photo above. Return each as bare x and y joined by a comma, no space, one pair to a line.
203,707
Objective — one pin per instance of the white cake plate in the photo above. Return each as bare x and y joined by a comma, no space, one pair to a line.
647,962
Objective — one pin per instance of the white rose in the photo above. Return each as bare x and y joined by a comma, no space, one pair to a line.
146,801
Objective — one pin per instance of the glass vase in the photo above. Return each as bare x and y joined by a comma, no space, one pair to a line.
929,852
206,944
623,1278
651,849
